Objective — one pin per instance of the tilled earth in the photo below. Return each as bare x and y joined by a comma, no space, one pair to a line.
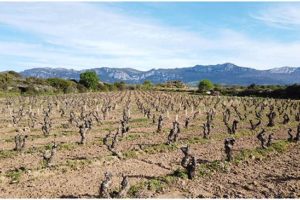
79,169
277,176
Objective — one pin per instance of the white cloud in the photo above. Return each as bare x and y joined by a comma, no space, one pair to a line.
282,16
81,35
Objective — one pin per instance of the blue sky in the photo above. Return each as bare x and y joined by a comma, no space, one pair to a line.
148,35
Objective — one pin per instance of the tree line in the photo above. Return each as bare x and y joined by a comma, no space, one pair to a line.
269,91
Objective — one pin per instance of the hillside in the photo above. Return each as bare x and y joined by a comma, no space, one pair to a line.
226,73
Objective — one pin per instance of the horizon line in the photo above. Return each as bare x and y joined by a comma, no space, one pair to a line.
204,65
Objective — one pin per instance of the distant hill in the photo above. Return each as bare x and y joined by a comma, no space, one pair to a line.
226,73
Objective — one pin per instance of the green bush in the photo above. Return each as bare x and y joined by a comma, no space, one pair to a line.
62,85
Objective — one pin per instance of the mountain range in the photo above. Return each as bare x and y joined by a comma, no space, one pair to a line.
227,73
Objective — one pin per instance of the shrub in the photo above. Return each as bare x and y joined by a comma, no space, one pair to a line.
62,85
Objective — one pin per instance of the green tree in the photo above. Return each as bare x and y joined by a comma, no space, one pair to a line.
205,85
89,79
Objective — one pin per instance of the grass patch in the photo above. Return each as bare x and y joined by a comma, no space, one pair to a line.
159,183
40,149
155,185
244,154
15,175
139,120
67,146
212,167
135,189
130,154
160,148
197,140
243,133
132,137
169,179
107,129
280,147
239,134
77,164
7,154
180,173
221,136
